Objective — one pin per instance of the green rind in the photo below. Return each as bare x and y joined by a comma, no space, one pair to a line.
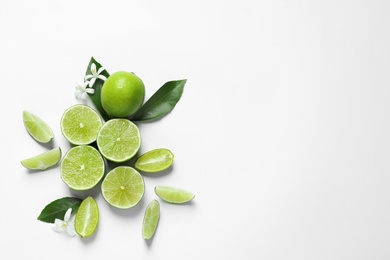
156,160
151,219
37,128
173,195
44,160
87,217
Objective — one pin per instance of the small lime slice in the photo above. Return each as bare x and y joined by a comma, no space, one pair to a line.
151,218
80,124
173,195
155,160
82,167
123,187
44,160
119,140
87,217
37,128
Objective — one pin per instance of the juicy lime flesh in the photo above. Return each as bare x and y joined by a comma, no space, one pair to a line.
123,187
80,124
155,160
151,218
82,167
37,128
122,94
173,195
44,160
119,140
87,217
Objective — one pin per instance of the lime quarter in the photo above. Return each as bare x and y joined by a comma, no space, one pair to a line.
87,217
155,160
173,195
151,218
44,160
37,128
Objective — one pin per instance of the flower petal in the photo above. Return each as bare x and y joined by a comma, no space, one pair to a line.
58,225
93,68
88,77
100,70
68,213
102,77
91,82
70,230
90,91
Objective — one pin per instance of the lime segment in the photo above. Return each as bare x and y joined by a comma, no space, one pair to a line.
37,128
123,187
87,217
173,195
155,160
151,218
44,160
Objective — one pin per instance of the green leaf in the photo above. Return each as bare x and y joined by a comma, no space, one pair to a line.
162,102
57,209
97,86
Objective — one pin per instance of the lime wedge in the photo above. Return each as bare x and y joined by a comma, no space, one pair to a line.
155,160
82,167
119,140
37,128
87,217
123,187
44,160
151,218
80,124
173,195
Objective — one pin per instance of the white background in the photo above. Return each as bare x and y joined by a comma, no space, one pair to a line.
282,132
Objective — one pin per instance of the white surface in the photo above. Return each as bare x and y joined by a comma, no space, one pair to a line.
282,131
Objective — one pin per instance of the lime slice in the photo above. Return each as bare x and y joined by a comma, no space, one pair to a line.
82,167
44,160
37,128
123,187
173,195
151,218
119,140
155,160
80,124
87,217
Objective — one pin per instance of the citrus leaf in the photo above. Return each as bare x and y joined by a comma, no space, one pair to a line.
162,102
58,208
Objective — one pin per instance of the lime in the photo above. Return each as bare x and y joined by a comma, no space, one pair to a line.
119,140
123,187
37,128
122,94
173,195
44,160
87,217
151,218
82,167
155,160
80,124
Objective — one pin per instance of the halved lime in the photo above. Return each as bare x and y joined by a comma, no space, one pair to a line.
173,195
82,167
80,124
119,140
44,160
37,128
123,187
155,160
87,217
151,218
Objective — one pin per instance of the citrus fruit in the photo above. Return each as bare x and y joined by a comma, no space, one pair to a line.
123,187
155,160
119,140
122,94
80,124
44,160
151,218
82,167
87,217
173,195
37,128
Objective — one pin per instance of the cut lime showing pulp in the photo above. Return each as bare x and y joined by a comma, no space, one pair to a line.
151,218
80,124
87,217
123,187
82,167
44,160
173,195
155,160
119,140
37,128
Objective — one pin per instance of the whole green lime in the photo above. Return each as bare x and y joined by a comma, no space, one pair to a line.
122,94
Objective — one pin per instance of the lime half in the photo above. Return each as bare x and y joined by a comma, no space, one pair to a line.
37,128
87,217
44,160
82,167
151,218
155,160
173,195
123,187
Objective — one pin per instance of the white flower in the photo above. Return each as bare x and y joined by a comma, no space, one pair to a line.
95,75
65,225
82,91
